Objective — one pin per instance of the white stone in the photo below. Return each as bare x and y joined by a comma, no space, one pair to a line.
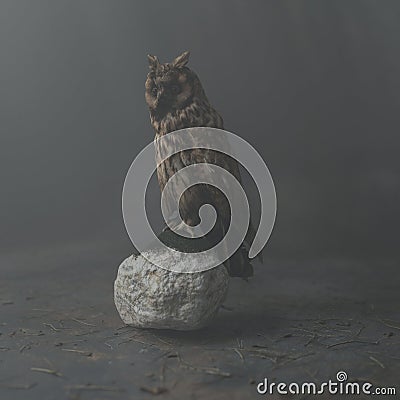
147,296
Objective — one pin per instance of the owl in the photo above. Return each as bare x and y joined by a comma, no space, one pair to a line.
177,100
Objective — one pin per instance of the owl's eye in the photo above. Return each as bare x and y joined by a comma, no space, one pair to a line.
154,91
175,89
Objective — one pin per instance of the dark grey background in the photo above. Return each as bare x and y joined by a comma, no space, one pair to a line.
314,86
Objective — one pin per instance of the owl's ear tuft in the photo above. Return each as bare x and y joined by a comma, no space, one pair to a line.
181,60
153,62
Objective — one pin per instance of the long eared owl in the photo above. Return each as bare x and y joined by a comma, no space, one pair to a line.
176,100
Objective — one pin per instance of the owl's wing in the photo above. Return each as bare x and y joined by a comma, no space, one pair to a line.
231,165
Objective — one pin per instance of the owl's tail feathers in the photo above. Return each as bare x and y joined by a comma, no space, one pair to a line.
239,265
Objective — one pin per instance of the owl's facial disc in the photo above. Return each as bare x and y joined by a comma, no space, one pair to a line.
168,92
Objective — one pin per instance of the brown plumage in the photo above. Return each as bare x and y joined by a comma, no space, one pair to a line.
177,100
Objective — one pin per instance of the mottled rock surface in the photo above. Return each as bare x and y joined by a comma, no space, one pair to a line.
148,296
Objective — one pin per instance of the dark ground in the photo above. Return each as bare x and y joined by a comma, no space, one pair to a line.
296,321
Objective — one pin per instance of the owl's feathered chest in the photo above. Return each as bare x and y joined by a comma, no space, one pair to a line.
197,113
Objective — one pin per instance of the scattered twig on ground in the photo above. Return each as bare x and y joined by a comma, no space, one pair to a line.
47,371
239,353
26,346
355,339
359,331
162,355
52,327
388,325
124,327
285,336
206,370
89,386
82,322
263,352
352,341
376,361
259,346
27,333
315,336
82,352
